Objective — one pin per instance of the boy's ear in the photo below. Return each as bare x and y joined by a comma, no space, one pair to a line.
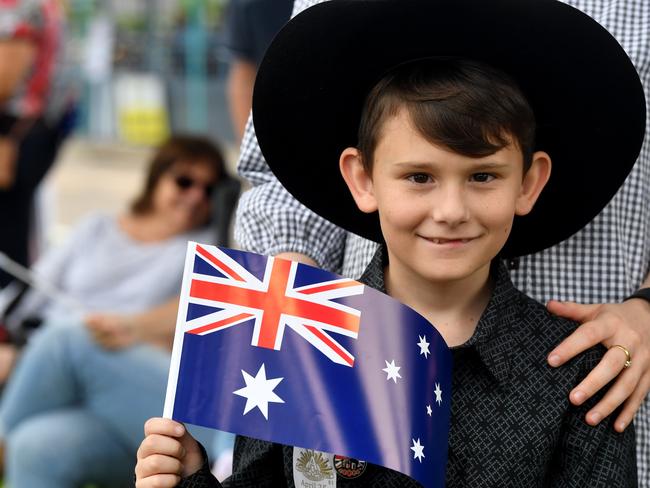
358,180
533,183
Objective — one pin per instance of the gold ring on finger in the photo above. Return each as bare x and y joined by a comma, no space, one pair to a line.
628,356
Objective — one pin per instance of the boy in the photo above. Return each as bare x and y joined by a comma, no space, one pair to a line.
445,156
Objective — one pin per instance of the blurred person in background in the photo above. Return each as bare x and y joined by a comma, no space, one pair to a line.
250,27
33,120
73,409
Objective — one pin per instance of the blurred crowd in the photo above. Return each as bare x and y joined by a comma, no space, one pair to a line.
86,324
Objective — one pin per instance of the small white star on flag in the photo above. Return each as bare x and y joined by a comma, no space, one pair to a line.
418,450
392,371
429,411
259,391
424,346
438,393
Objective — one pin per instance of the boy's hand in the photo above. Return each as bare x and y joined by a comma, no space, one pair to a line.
626,324
167,454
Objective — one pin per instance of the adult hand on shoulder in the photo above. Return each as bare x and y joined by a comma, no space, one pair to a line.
167,454
112,331
626,324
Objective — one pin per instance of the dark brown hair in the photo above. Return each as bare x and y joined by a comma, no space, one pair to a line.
178,148
463,105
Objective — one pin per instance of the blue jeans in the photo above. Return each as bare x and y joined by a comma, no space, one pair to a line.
73,412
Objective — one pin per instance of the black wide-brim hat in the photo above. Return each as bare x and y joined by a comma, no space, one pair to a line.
586,95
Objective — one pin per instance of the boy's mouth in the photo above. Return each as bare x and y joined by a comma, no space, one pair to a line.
452,241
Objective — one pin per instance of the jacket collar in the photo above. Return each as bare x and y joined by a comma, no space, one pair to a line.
494,337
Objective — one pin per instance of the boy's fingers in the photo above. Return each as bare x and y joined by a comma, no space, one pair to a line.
160,444
158,481
162,426
585,336
158,464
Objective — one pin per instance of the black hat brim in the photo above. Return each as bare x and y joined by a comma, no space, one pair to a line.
586,95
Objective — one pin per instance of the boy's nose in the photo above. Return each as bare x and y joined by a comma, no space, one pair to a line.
450,206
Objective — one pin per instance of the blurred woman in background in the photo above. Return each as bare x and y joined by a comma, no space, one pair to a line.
100,374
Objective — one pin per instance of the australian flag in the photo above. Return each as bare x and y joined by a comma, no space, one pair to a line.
289,353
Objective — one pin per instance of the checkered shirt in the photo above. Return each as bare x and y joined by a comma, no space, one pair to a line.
605,262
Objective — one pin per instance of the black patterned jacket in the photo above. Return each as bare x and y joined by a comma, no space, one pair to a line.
511,422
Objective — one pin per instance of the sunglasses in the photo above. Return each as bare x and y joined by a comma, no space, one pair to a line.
185,183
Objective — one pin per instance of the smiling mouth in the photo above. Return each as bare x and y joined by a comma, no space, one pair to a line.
439,240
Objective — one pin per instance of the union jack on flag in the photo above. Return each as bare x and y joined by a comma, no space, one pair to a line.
274,301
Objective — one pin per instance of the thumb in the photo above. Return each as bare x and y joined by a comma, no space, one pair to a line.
573,311
193,459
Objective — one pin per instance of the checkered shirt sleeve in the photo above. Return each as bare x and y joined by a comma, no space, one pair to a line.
610,258
269,220
604,262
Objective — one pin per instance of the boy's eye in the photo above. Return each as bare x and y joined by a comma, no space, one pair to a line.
482,177
419,178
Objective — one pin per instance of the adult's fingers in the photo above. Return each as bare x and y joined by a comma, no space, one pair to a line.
578,312
632,404
629,389
585,336
615,396
609,367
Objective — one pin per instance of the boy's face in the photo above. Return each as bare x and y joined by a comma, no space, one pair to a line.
444,216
